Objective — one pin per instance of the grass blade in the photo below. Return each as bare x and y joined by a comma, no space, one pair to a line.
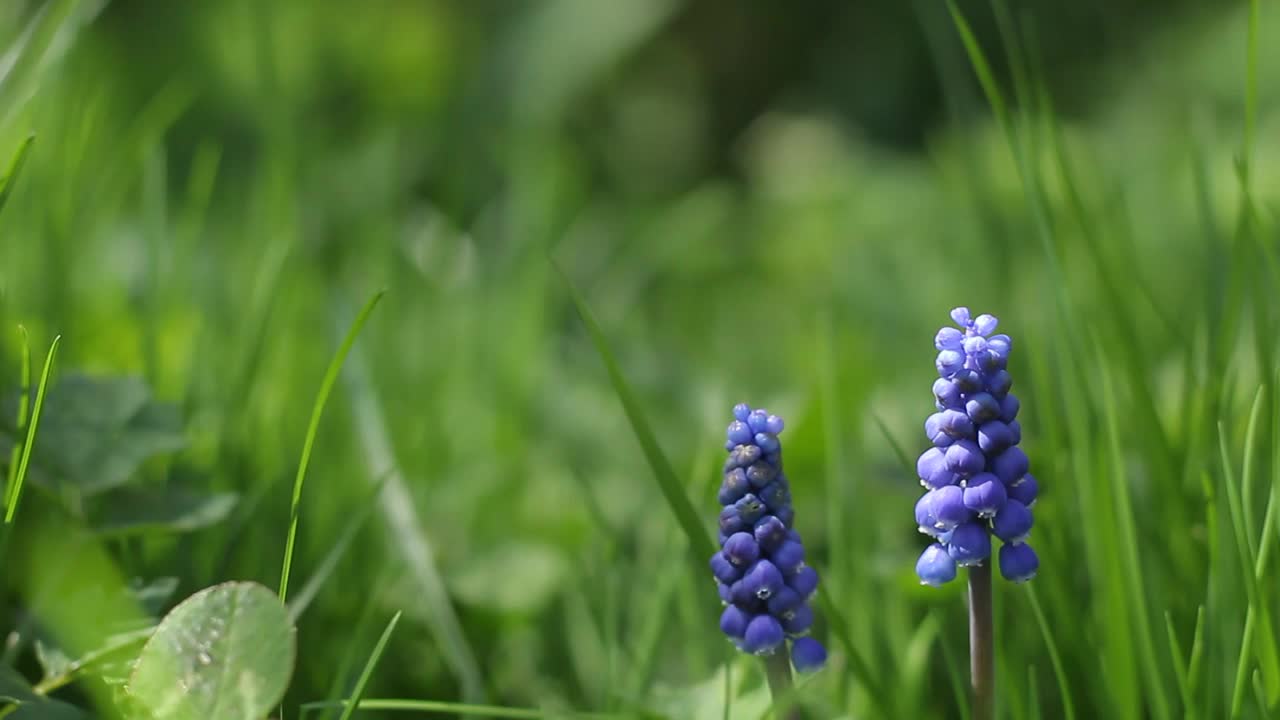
1131,562
1059,670
857,664
896,446
299,604
358,692
330,376
699,542
15,167
403,526
15,491
1179,660
452,708
1260,694
981,67
1194,663
24,405
1258,617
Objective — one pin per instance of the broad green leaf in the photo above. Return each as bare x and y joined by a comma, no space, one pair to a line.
47,710
130,511
16,691
96,432
14,687
225,652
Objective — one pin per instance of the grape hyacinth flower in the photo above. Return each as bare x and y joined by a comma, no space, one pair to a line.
760,567
976,480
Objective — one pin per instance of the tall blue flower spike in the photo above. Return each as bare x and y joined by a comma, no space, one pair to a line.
975,475
760,567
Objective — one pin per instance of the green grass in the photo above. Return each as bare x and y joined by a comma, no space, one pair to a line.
522,456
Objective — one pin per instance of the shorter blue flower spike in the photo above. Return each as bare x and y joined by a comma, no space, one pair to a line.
760,568
970,544
798,620
763,579
770,532
730,521
768,442
776,495
789,557
739,433
725,571
733,622
784,601
787,515
763,635
735,485
808,655
805,581
761,474
1018,563
935,567
750,509
726,592
741,549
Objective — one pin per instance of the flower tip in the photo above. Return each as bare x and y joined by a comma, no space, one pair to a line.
961,316
808,655
935,567
985,324
1018,563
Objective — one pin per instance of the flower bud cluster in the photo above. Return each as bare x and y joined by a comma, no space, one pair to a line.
975,474
760,569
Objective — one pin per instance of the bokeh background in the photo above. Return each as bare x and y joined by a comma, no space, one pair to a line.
764,202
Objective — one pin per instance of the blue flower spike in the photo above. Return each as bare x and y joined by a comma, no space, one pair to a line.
977,483
760,567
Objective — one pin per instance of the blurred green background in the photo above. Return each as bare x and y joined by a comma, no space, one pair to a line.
763,202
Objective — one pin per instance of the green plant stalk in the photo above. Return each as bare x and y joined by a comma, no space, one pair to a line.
982,655
777,669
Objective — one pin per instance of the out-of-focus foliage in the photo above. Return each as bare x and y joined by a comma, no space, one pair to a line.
760,203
